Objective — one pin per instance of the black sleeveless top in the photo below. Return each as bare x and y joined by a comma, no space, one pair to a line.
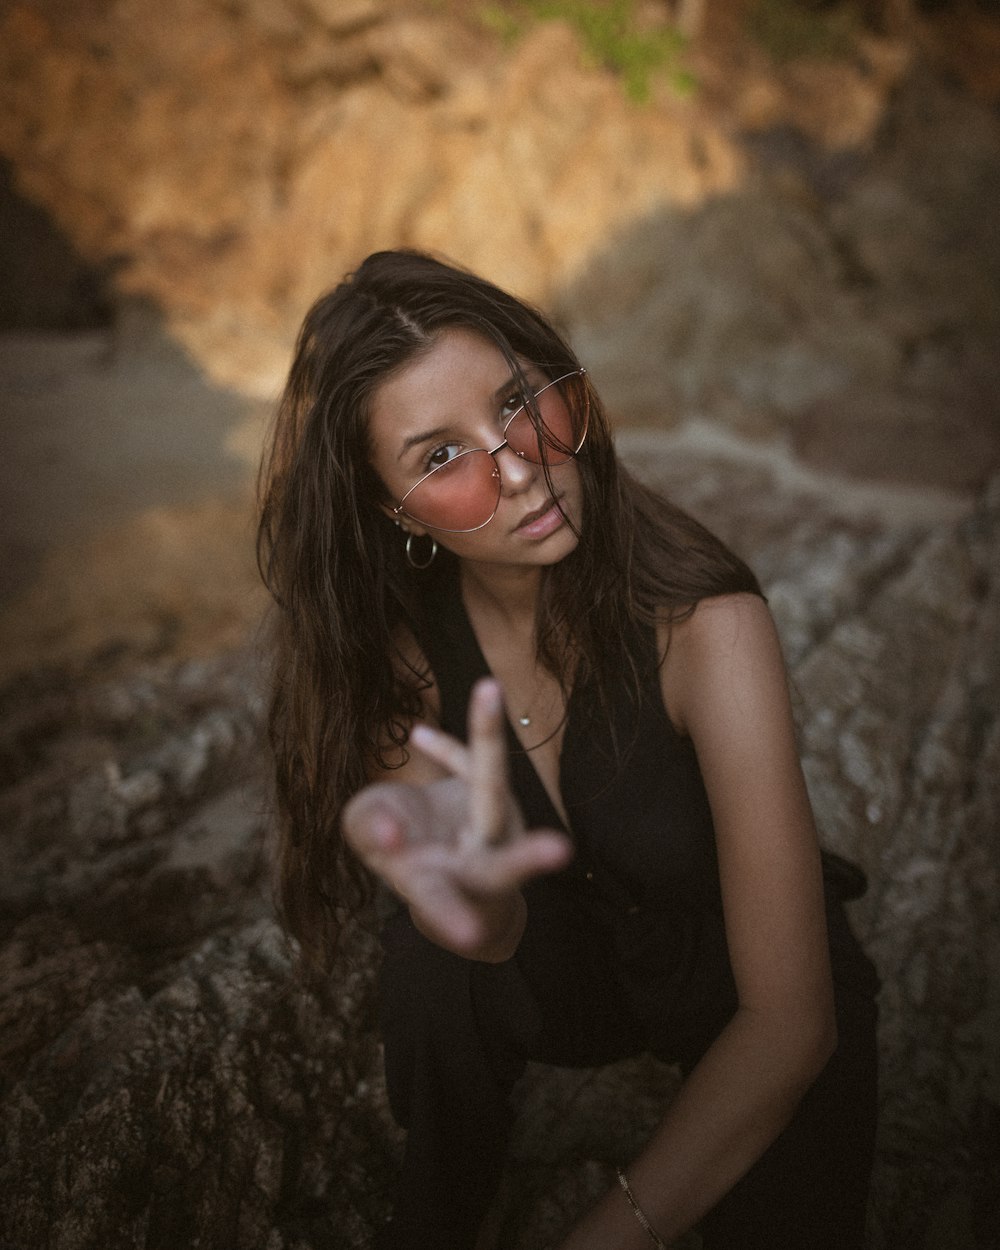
644,881
638,812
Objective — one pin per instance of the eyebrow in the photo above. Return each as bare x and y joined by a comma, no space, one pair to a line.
427,435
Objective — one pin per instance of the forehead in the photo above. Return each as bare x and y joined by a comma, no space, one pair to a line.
458,363
452,383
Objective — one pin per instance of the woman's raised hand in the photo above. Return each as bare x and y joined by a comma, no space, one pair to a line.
456,848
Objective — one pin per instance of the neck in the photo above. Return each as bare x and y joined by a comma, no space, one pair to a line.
510,593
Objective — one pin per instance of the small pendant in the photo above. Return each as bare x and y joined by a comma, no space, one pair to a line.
524,720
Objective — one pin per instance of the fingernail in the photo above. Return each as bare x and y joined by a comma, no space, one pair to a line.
421,733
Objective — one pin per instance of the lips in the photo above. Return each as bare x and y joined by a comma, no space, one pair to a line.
541,523
549,504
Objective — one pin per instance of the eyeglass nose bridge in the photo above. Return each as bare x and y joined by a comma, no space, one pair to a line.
496,463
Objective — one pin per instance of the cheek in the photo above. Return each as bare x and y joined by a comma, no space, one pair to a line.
568,479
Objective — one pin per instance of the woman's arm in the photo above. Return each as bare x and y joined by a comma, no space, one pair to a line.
444,833
724,684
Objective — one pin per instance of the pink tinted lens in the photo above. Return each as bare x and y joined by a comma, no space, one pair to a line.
461,495
563,408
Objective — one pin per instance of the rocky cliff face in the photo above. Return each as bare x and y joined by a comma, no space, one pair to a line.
804,246
239,159
788,292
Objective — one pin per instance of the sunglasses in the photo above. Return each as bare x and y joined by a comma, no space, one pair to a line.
462,494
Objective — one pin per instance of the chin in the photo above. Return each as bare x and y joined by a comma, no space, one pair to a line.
562,545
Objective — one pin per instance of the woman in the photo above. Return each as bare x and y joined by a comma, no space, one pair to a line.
624,862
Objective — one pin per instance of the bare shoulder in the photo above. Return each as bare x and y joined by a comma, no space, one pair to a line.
739,622
726,650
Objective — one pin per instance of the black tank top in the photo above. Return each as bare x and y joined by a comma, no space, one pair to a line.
644,880
631,787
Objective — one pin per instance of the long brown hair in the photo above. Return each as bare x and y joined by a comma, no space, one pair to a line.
335,566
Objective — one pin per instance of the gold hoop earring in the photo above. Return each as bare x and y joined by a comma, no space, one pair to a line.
414,564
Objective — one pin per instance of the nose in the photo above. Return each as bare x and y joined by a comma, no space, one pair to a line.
516,473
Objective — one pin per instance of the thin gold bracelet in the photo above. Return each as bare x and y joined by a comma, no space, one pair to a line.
639,1213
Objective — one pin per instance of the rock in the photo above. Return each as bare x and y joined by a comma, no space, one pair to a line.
950,437
258,160
774,264
902,747
44,282
850,305
160,1068
346,18
166,1081
216,1110
713,337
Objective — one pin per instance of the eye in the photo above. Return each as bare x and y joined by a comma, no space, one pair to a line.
441,455
512,404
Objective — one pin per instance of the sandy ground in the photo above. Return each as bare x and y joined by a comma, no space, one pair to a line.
127,488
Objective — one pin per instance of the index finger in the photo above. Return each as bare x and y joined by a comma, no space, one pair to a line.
487,770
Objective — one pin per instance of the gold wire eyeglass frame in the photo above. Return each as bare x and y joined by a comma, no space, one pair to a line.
400,508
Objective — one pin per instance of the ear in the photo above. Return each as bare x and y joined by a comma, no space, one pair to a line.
404,522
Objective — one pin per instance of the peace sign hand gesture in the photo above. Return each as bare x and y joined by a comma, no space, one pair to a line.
455,848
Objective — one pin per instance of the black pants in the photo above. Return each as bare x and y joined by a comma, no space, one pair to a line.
458,1033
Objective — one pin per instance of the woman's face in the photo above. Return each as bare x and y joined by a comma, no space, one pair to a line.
455,397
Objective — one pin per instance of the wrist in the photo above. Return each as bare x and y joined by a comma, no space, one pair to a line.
640,1215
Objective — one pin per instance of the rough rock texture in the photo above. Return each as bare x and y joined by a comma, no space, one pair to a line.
848,297
804,247
238,159
165,1083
